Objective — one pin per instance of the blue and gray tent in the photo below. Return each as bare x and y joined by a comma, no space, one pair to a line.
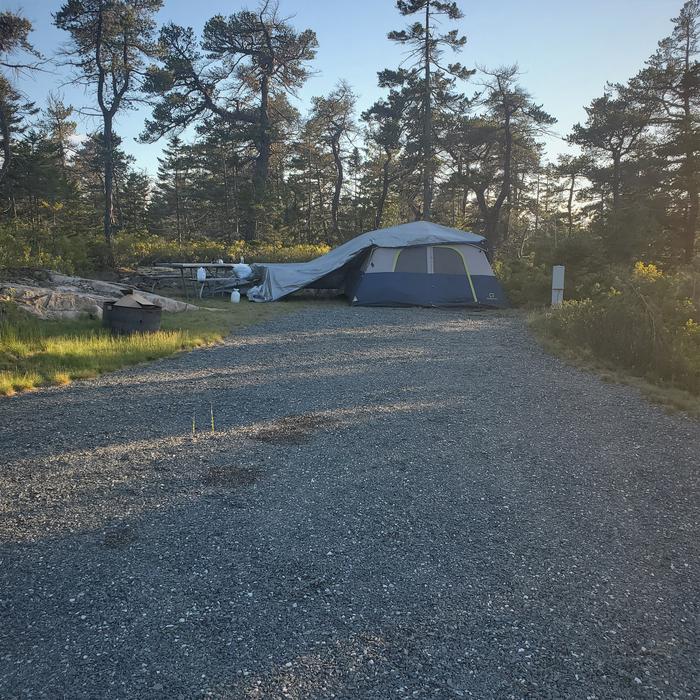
416,264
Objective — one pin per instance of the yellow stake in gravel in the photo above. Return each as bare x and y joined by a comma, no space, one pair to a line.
211,410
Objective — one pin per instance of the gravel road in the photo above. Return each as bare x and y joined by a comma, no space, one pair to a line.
396,503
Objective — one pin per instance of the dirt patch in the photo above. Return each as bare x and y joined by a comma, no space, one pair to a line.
231,477
293,430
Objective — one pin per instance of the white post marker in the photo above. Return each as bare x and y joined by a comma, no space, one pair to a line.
557,285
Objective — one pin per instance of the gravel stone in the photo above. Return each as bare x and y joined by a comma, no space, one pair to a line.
396,503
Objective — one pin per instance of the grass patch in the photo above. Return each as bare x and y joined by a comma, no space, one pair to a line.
37,353
658,391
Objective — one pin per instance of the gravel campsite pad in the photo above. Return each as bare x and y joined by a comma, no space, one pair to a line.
394,503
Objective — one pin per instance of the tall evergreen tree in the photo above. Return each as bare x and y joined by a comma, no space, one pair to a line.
612,130
670,86
60,128
332,119
169,204
486,146
384,120
249,58
109,41
14,39
428,81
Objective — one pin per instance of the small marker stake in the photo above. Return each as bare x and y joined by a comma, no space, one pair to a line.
211,410
194,426
557,285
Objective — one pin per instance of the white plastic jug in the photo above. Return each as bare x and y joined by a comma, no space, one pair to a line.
235,296
201,274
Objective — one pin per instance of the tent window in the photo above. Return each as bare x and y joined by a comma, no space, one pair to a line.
412,260
447,261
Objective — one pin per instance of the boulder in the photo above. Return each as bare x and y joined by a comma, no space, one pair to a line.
60,296
50,303
114,291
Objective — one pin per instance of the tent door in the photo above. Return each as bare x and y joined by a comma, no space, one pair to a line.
448,260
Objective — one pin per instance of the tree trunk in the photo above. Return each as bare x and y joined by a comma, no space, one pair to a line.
537,206
492,214
5,134
385,191
616,180
262,162
237,210
227,208
491,232
321,205
108,218
177,206
427,124
504,195
570,204
335,204
691,214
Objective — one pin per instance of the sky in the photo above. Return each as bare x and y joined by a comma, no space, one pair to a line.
566,50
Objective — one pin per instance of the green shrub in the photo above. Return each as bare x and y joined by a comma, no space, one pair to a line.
646,323
140,248
25,245
525,284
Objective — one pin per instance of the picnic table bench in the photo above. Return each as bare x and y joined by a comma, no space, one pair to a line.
219,278
154,280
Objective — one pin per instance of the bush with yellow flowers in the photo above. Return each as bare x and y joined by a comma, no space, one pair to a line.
647,323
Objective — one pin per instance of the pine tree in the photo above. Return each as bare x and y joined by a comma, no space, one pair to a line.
612,130
169,204
252,57
332,119
14,39
109,41
427,83
670,87
60,128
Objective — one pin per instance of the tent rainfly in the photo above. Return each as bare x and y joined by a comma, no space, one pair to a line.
416,264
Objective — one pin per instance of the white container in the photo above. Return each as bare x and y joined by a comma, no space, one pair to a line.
235,296
201,274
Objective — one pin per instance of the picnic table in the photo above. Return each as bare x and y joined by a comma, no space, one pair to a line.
219,277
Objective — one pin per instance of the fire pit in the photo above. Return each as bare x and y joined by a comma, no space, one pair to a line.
132,313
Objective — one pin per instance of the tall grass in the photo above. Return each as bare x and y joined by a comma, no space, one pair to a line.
34,352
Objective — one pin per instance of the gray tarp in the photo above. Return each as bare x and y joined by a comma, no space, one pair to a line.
281,279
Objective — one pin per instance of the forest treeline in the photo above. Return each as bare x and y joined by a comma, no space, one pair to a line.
457,145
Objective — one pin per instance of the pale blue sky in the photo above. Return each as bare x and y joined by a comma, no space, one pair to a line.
566,49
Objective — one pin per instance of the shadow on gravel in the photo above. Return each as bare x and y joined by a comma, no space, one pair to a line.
81,490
